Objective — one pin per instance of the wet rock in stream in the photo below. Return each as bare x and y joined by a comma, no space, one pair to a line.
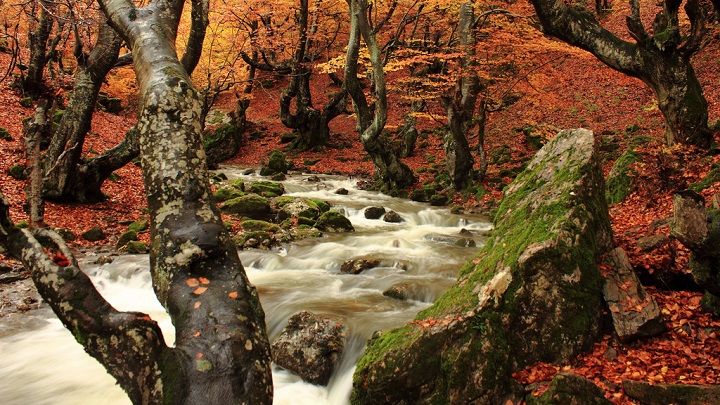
310,346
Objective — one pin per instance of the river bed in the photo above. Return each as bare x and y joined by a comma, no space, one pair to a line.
41,364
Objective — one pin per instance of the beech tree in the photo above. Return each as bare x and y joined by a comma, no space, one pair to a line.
221,355
661,59
371,119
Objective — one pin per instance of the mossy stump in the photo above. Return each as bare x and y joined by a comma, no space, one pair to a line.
533,293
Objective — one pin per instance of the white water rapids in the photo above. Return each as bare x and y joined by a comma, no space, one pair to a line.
41,364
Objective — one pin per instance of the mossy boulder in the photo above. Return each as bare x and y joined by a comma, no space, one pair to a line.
5,135
136,247
333,221
276,164
533,293
266,188
227,193
302,208
570,389
126,237
250,205
139,226
256,225
94,234
422,194
17,172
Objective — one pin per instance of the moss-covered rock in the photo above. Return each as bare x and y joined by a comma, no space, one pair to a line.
5,135
266,188
422,194
222,144
136,247
227,193
533,293
275,164
94,234
333,221
139,226
126,237
255,225
570,389
17,172
250,205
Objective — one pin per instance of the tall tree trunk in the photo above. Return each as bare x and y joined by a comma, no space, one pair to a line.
661,60
461,107
63,155
389,169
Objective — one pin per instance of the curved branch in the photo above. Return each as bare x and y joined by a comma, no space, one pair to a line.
126,343
581,29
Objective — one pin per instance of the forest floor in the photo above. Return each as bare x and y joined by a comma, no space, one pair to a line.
565,88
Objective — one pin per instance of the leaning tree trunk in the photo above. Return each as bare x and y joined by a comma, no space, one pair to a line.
389,169
69,177
661,60
63,155
680,99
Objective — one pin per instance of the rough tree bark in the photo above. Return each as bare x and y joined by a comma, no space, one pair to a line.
221,354
661,60
460,106
389,169
63,155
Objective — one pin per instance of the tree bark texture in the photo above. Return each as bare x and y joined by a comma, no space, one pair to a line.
389,169
661,60
62,180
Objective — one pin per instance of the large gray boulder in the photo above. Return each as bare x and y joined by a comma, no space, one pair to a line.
533,293
309,346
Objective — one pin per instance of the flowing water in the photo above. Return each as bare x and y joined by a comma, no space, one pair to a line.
40,363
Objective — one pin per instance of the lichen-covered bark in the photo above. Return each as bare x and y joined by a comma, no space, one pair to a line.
661,60
532,294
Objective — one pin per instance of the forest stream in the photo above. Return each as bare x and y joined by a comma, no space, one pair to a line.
43,365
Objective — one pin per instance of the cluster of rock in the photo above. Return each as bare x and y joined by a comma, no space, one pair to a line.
268,218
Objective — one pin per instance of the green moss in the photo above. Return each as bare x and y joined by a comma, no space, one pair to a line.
619,183
227,193
711,178
139,226
255,225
